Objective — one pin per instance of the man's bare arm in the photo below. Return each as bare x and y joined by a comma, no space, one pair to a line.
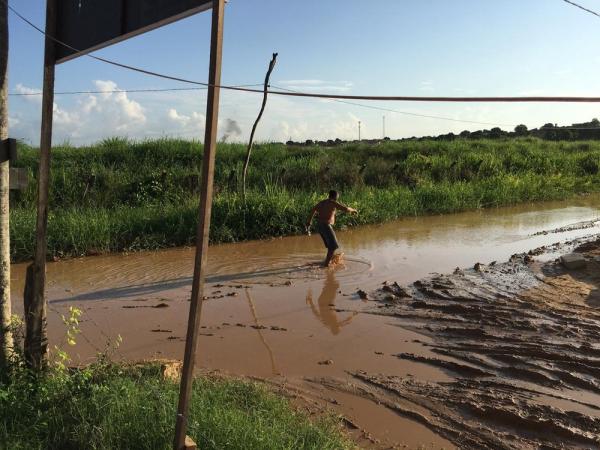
310,218
345,208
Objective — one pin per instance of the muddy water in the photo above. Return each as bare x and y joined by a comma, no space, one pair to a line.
273,313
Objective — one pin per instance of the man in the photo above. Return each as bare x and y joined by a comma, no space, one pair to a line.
325,211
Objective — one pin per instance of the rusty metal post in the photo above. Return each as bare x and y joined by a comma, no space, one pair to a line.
34,297
203,230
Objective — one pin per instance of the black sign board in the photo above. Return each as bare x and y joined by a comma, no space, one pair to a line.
88,25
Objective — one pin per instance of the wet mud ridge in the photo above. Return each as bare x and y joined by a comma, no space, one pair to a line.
521,341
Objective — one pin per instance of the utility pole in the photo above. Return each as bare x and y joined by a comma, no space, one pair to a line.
383,137
6,341
359,130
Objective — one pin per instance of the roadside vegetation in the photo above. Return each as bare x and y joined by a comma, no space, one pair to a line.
119,195
109,405
132,407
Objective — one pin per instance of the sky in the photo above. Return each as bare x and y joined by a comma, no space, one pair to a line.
378,47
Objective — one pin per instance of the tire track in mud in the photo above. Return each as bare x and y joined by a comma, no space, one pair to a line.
520,338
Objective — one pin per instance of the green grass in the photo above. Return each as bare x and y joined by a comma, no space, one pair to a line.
132,407
119,195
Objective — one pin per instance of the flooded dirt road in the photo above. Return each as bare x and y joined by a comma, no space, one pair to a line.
272,313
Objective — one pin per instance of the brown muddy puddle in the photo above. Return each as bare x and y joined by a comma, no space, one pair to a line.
272,313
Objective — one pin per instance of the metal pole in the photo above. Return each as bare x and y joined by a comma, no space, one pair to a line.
202,234
36,346
6,341
359,130
383,137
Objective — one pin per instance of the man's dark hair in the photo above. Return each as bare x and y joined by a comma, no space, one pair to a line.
333,195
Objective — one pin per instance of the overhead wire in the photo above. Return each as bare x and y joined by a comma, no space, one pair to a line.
379,108
553,99
582,7
116,91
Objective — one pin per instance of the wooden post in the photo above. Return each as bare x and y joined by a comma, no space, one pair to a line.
34,297
6,342
203,230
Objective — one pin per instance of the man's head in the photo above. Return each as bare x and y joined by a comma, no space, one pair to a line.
333,195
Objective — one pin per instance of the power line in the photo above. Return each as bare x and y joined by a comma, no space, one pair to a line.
547,99
379,108
582,7
116,91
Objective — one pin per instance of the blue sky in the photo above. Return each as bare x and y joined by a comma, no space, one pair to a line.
380,47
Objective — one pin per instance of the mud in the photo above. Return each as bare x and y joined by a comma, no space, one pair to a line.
406,364
520,340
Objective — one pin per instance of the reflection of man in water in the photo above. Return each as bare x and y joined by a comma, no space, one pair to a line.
326,313
325,211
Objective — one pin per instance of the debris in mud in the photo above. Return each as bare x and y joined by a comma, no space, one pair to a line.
158,330
240,325
396,290
258,327
326,362
277,328
171,370
362,294
232,294
478,267
160,305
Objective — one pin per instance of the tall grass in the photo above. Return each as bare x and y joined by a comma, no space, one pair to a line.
133,407
120,195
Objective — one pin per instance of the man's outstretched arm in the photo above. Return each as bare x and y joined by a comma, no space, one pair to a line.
345,208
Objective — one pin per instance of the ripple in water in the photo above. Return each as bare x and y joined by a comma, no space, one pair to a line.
264,269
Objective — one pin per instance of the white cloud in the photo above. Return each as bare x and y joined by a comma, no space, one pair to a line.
179,119
29,94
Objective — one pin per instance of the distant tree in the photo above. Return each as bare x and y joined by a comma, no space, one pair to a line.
563,134
290,142
595,123
465,134
309,142
521,130
496,133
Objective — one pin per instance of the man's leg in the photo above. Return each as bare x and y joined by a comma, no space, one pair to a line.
330,253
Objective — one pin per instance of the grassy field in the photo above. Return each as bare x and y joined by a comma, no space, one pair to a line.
133,407
125,196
